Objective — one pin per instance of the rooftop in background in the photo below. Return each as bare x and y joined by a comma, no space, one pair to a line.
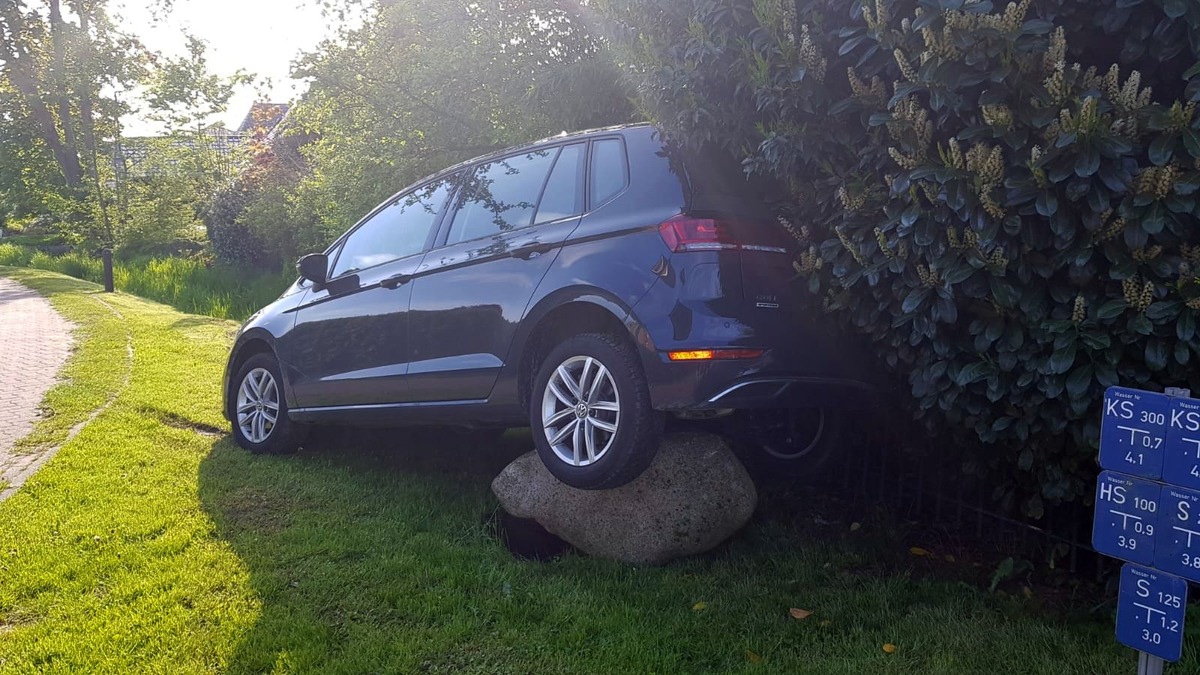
260,122
264,116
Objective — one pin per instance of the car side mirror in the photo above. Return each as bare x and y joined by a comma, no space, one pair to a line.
315,268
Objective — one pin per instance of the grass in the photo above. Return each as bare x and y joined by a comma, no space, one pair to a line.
150,543
187,284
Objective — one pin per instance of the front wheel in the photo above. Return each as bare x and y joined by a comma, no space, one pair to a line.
590,412
260,421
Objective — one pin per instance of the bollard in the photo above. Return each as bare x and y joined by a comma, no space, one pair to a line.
106,256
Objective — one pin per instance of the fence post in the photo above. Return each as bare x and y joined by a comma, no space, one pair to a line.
106,256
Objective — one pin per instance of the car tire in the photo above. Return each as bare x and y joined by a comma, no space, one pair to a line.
798,443
605,435
257,396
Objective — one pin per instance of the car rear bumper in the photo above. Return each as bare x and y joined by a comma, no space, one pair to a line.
717,385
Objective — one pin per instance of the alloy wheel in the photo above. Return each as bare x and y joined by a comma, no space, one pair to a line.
258,405
795,435
581,411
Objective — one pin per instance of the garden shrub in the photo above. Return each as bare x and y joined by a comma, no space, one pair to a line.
1003,197
14,255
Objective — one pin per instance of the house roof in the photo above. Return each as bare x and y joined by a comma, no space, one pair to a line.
263,116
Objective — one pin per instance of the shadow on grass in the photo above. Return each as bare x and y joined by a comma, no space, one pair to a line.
360,548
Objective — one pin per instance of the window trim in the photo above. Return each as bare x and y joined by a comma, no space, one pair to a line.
454,179
627,178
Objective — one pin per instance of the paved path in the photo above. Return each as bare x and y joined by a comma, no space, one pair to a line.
34,343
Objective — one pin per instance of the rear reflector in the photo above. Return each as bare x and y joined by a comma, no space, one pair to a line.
715,354
684,233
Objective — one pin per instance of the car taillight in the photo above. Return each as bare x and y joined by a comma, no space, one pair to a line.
685,233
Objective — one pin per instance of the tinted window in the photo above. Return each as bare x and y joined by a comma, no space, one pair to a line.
563,197
501,195
399,230
608,170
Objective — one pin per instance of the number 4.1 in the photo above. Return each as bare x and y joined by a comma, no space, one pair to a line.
1130,457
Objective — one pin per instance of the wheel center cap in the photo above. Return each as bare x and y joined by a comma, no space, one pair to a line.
581,410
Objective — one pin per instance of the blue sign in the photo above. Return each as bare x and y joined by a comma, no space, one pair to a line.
1133,431
1150,610
1177,544
1181,463
1126,511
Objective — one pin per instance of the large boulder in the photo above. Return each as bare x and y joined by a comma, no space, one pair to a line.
695,495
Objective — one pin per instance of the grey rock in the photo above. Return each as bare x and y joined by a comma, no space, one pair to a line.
695,495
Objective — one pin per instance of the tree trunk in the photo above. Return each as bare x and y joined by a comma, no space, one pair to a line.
58,39
87,124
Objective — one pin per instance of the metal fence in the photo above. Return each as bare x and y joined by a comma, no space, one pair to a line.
928,486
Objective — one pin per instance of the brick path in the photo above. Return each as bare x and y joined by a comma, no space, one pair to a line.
34,343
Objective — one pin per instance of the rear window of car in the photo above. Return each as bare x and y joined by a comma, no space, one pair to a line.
501,196
609,171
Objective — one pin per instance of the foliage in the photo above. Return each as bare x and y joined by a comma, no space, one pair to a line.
1002,197
56,57
190,284
423,84
256,219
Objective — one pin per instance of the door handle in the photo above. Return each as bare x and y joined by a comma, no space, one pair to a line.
531,250
396,281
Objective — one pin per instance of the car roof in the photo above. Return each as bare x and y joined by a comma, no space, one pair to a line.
564,137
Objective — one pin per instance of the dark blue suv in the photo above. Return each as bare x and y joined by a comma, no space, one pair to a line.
585,286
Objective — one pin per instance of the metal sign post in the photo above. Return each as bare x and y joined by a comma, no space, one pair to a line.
1149,665
1148,514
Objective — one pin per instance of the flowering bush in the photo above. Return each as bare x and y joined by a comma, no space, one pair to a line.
1003,198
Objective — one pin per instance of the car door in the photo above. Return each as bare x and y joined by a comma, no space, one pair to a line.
509,221
350,343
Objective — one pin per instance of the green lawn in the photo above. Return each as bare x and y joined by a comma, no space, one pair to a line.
151,543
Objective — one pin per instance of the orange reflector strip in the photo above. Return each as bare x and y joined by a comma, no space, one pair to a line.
715,354
698,355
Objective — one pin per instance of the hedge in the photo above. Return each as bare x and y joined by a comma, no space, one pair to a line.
1004,198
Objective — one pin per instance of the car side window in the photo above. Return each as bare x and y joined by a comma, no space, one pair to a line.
563,196
501,196
397,231
609,171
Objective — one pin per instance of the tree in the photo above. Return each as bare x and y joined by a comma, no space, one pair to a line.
425,83
54,64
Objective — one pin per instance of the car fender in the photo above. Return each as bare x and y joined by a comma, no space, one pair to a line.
506,390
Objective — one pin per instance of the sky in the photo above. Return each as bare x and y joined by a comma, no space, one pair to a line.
262,37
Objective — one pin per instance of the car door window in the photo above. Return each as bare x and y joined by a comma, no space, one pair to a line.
399,230
563,196
501,196
609,173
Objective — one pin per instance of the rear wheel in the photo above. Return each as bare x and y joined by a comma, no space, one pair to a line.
260,421
799,441
590,412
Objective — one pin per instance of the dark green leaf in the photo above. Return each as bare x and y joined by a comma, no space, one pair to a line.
1141,325
1162,149
1111,309
1061,360
972,372
1185,328
1156,354
914,300
1079,380
1175,8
